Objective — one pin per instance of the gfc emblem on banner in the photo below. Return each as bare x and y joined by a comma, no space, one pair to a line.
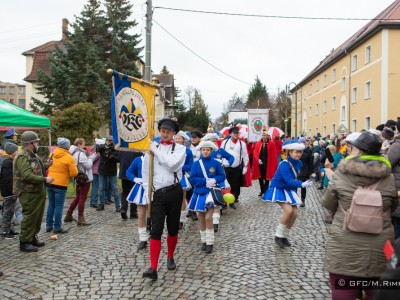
133,115
257,125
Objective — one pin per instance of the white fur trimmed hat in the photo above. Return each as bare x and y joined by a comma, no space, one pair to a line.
207,144
210,136
293,145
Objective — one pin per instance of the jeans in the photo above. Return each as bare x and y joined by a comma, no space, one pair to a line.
94,194
104,182
55,207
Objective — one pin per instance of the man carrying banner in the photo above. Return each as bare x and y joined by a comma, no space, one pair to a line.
238,150
169,159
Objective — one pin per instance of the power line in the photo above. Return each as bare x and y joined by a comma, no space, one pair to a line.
210,64
272,16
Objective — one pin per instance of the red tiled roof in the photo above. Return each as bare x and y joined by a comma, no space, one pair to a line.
40,59
390,17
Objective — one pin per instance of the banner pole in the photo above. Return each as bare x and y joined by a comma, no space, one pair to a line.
131,78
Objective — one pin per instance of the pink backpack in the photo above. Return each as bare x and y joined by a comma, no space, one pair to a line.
365,212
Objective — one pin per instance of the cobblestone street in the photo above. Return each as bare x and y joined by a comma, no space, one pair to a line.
101,261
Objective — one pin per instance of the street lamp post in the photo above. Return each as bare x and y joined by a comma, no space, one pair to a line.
290,94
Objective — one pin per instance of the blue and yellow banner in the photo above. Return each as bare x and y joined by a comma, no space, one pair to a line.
132,113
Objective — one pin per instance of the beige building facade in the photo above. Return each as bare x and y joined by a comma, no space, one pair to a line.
13,93
357,86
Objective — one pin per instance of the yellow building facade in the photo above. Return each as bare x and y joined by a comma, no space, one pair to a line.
357,86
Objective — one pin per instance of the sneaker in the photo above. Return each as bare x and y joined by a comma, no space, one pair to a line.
8,236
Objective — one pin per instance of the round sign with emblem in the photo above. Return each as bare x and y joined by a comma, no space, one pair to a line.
257,125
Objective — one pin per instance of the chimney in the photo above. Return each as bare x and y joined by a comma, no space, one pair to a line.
64,28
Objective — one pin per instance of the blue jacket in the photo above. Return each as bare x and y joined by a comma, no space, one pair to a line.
284,176
213,169
135,169
188,161
222,153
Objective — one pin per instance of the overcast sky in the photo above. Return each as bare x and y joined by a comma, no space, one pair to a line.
278,50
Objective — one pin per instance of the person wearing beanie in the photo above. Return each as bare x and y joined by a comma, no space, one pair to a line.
283,190
6,188
387,139
10,136
206,173
84,165
62,169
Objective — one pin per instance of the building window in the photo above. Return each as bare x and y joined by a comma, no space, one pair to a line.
325,80
310,112
354,126
316,131
324,131
367,123
333,75
368,90
21,90
354,95
333,128
343,114
21,103
333,103
354,63
11,90
317,85
343,84
2,89
12,101
367,54
310,89
324,107
316,109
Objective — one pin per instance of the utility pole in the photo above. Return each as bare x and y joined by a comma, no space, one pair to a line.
149,17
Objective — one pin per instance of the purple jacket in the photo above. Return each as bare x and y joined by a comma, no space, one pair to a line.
96,160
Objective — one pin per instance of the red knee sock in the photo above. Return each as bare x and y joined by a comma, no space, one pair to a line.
171,243
155,249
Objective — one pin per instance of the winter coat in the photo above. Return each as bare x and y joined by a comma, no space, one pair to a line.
62,169
354,253
307,161
85,163
108,160
393,156
6,176
96,160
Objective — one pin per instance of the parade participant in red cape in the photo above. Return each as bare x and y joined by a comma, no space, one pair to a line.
234,173
169,159
265,161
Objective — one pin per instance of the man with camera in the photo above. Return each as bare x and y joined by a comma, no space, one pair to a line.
108,172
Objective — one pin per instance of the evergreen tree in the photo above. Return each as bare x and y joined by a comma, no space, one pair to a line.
164,70
197,117
258,96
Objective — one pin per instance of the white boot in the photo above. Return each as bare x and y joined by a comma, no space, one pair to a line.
280,230
216,216
143,236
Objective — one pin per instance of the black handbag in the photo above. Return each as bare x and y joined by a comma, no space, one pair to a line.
81,178
216,192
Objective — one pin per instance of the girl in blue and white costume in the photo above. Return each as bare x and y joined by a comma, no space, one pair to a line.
226,160
181,138
139,197
283,190
201,200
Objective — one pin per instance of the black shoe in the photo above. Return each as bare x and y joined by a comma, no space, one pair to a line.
260,194
134,216
117,210
123,215
36,242
194,217
279,242
203,247
8,236
50,229
180,225
224,207
12,232
94,205
101,207
189,214
286,242
142,245
109,201
171,264
215,227
209,249
302,204
232,206
237,200
62,230
27,247
150,273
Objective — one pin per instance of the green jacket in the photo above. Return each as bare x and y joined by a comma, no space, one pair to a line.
28,173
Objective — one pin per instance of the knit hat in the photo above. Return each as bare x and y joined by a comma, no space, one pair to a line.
302,140
63,143
110,138
10,148
210,136
388,133
207,144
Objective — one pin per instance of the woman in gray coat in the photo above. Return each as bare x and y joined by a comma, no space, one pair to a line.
351,255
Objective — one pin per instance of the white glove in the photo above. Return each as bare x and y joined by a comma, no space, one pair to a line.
138,180
244,171
218,160
260,162
225,163
307,184
153,148
210,182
